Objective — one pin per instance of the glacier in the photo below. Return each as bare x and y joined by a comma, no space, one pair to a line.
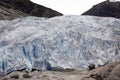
66,41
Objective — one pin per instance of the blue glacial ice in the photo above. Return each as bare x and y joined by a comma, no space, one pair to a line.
66,41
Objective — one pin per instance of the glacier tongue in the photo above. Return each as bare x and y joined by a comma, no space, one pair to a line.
67,41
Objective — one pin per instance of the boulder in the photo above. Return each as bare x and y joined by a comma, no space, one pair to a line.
26,76
15,76
91,66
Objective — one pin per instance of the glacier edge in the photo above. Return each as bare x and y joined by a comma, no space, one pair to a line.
67,41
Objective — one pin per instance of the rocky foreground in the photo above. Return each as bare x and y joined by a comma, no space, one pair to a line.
49,75
107,72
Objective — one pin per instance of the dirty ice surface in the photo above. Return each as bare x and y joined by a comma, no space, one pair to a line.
66,41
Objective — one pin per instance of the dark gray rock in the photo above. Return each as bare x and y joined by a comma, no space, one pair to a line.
26,76
91,66
105,9
15,76
10,14
11,9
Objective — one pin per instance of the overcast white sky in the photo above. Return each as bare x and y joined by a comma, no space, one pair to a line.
69,7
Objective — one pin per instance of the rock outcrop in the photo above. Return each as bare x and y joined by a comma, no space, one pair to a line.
12,9
108,72
66,42
105,9
9,14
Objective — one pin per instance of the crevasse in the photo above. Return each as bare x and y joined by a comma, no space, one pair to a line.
66,41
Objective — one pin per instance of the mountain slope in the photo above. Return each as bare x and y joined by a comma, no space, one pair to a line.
105,9
67,42
11,9
10,14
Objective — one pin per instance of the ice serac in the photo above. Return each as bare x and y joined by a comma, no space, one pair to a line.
68,42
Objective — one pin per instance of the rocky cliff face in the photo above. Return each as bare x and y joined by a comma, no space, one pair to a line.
9,14
67,42
105,9
11,9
